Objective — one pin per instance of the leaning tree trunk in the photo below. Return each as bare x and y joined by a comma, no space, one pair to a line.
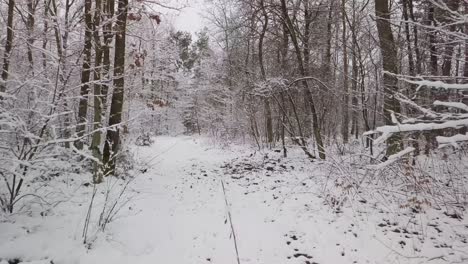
388,50
115,118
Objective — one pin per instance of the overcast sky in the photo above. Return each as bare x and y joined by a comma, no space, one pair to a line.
190,18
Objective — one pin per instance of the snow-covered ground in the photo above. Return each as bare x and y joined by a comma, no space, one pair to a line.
178,214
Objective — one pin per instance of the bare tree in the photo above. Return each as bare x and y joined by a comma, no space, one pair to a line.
112,143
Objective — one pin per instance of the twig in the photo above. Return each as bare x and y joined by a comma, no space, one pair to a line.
88,215
230,222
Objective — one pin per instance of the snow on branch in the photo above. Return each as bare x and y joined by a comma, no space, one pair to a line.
388,131
393,158
456,105
437,84
421,82
451,141
403,99
269,86
437,121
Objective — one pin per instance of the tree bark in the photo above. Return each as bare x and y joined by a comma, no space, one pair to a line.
109,6
388,50
30,26
8,46
268,119
354,82
465,70
44,35
453,5
432,42
408,38
98,96
112,144
416,37
85,74
345,109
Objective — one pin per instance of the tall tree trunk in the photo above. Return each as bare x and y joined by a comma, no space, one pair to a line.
304,73
30,26
85,74
44,34
413,70
112,144
326,64
61,45
268,119
8,46
432,41
305,38
283,63
354,88
416,37
408,38
98,97
345,109
388,50
465,70
434,71
453,5
109,7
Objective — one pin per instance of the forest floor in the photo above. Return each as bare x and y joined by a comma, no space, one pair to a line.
177,213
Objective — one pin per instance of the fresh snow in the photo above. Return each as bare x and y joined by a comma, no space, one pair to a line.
177,215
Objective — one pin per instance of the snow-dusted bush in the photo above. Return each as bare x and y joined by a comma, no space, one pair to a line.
398,184
34,136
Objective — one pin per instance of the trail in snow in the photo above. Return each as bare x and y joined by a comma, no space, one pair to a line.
178,216
277,208
181,214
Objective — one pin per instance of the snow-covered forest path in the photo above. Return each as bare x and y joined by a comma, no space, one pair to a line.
280,213
182,214
180,206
